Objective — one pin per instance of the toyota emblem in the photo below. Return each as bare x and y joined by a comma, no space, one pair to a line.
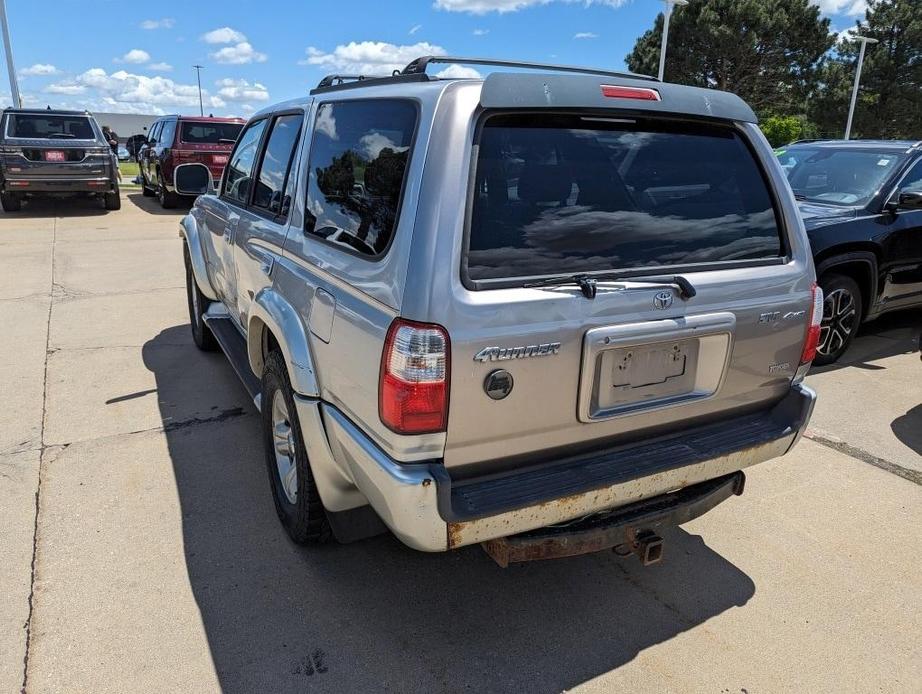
662,300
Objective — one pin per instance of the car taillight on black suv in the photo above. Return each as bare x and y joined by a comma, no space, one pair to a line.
415,368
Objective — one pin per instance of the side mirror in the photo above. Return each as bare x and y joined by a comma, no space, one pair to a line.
910,200
192,179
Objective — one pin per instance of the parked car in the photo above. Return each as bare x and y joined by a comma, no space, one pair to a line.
51,152
549,312
861,202
176,140
123,153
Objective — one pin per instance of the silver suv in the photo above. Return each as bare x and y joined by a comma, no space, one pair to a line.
550,311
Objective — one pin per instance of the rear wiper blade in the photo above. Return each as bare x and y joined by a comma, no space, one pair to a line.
588,283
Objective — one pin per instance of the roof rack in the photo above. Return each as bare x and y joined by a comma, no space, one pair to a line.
418,66
336,80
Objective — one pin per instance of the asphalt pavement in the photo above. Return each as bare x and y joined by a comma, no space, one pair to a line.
140,549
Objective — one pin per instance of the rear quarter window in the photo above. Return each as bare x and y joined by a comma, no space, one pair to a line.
560,193
357,172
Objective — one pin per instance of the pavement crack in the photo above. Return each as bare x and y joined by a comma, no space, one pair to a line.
914,476
27,626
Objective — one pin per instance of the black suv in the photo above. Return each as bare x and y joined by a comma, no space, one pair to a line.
46,152
861,202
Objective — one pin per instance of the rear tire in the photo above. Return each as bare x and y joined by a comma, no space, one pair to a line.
113,200
167,199
145,189
198,303
10,202
842,314
294,491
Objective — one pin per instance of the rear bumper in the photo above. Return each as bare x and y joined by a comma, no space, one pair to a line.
429,511
92,184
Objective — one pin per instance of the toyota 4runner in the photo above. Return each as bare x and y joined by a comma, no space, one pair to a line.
549,311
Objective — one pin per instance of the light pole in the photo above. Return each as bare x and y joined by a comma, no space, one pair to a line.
198,77
14,85
864,40
670,5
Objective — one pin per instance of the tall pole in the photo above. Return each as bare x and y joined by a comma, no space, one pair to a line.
851,109
198,77
14,84
667,15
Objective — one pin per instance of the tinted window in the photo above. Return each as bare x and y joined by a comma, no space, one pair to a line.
50,127
154,131
912,182
357,168
276,161
238,175
561,194
167,133
838,176
209,133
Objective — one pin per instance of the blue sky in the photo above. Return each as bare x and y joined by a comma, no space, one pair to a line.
136,57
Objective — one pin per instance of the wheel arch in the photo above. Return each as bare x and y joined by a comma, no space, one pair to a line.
859,265
272,318
189,232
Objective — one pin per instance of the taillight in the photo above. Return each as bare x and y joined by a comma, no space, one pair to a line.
813,329
413,386
614,91
181,156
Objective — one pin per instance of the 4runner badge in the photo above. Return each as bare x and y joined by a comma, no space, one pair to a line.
506,353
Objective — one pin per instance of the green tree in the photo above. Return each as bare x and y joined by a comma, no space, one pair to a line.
890,97
780,130
767,51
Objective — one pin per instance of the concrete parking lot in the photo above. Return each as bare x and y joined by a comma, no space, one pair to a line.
140,549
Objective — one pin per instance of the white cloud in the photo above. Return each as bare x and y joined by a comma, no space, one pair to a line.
585,35
160,67
39,69
455,71
852,8
135,56
241,90
501,6
128,92
224,35
369,57
480,32
151,24
238,54
414,29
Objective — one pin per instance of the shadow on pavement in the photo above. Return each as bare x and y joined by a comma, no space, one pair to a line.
152,206
376,615
908,427
43,208
891,334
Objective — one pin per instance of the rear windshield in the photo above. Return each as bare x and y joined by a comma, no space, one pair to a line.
50,127
210,133
562,194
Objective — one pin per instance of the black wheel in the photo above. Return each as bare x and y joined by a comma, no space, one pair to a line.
167,199
842,312
145,189
294,492
113,200
10,202
198,304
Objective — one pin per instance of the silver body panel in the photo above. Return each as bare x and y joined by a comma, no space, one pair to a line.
272,277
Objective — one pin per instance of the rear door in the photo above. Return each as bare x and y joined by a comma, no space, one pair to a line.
902,246
260,236
222,214
207,142
645,199
144,161
53,146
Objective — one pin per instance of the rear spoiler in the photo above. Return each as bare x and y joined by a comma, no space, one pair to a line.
523,90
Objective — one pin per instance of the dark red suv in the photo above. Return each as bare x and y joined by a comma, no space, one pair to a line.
175,140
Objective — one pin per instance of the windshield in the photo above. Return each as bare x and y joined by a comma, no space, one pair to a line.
42,126
558,194
847,177
210,133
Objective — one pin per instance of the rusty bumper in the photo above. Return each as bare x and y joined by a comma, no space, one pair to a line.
626,528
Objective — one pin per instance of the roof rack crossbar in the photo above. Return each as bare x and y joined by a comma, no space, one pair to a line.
419,66
331,80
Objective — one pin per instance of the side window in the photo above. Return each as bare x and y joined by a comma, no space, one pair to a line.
912,181
154,131
273,170
238,175
358,162
167,132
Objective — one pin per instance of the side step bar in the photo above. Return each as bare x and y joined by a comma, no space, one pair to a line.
235,347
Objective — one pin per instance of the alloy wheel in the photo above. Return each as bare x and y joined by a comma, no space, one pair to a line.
283,443
839,313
